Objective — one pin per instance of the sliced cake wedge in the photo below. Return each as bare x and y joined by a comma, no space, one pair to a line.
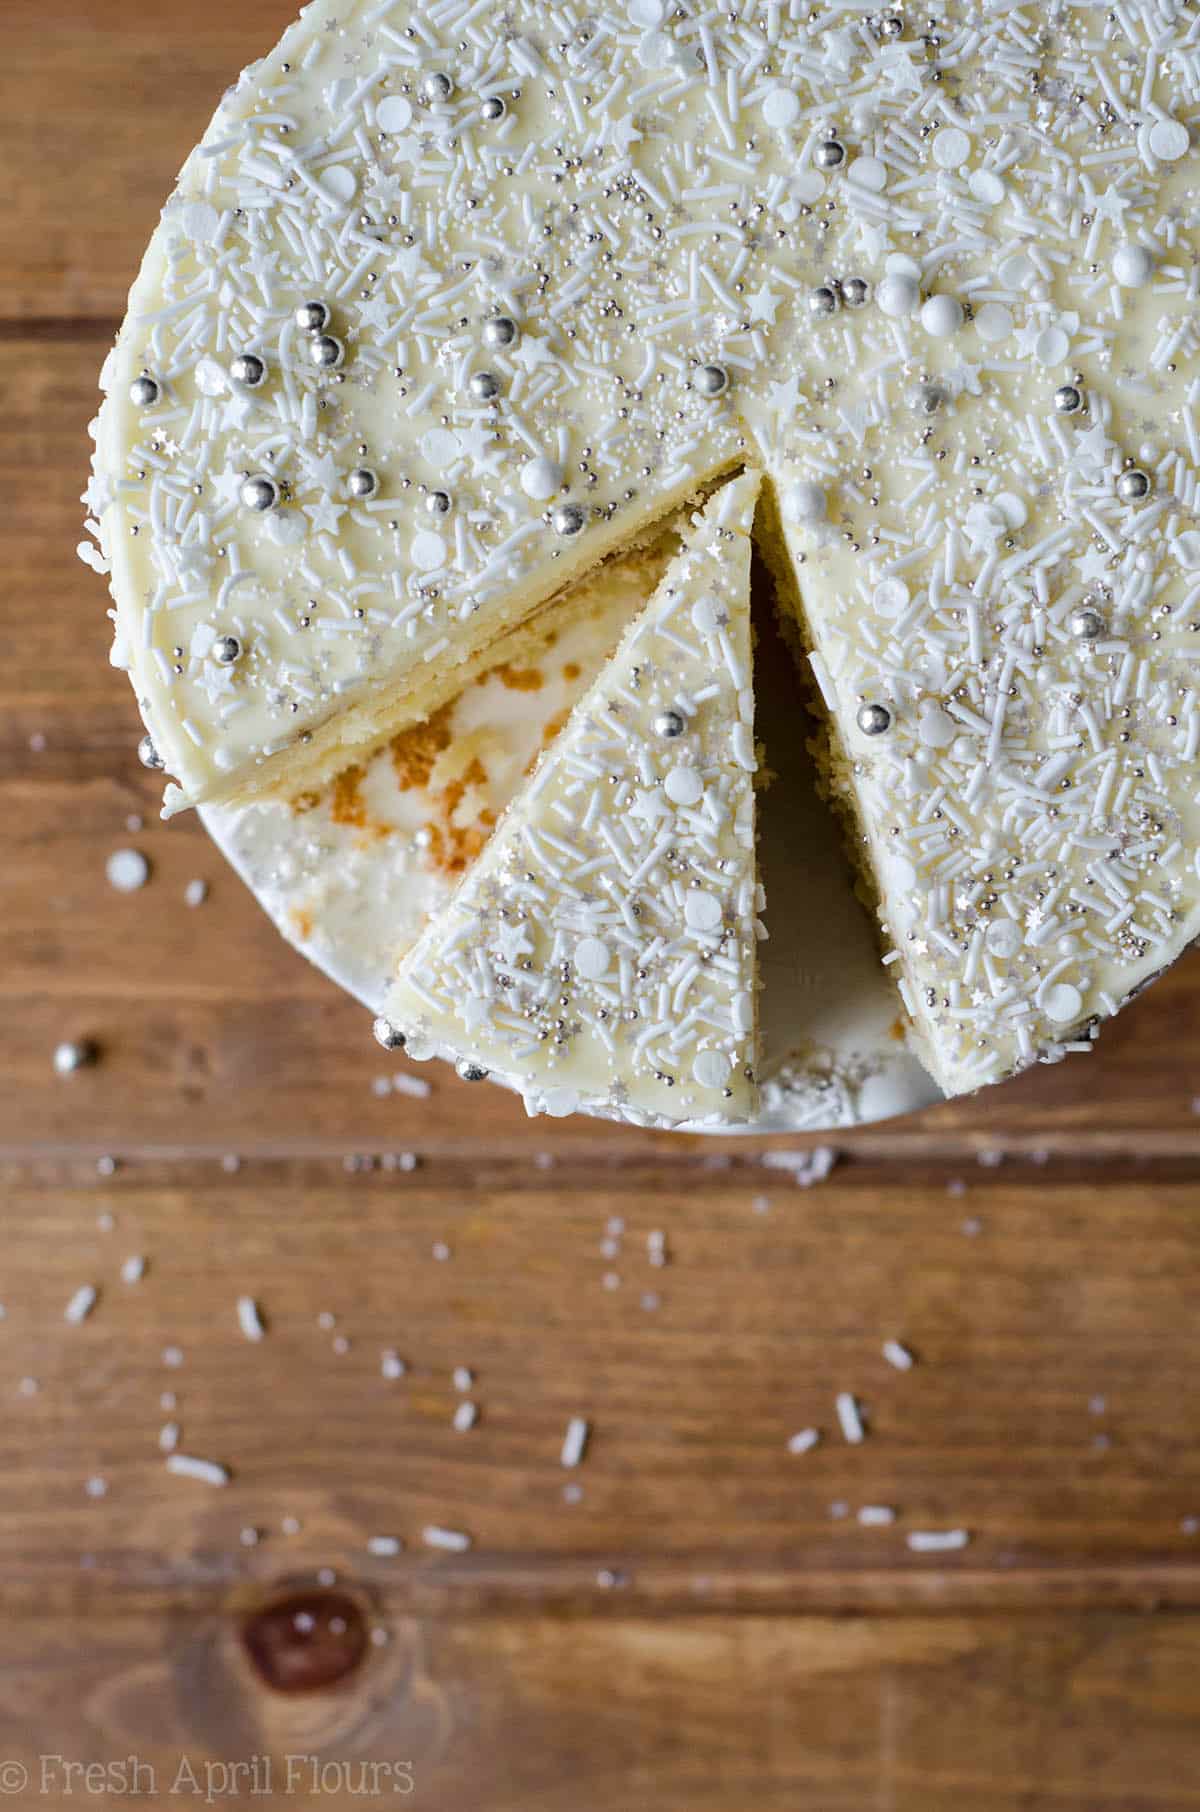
600,953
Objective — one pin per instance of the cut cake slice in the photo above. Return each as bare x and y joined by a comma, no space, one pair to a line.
601,952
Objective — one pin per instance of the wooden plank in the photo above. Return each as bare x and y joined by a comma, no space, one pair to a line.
98,114
1003,1715
216,1036
1050,1412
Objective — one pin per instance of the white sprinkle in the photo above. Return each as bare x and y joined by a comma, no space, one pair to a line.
206,1472
898,1355
127,870
450,1541
384,1545
575,1441
804,1440
465,1416
168,1437
876,1516
195,893
249,1319
391,1365
937,1541
81,1304
849,1417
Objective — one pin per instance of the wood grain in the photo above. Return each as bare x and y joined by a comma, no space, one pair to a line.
914,1715
709,1625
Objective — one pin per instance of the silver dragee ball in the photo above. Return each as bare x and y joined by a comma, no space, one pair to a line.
501,330
438,503
874,720
855,292
260,493
362,482
1068,399
822,301
494,108
830,154
148,755
567,519
326,351
1087,624
312,317
470,1071
248,369
483,386
143,392
669,724
1133,485
388,1035
226,650
436,86
711,380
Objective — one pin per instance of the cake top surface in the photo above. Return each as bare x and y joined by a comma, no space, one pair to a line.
601,950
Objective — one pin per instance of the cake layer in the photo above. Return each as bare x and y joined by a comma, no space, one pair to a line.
601,950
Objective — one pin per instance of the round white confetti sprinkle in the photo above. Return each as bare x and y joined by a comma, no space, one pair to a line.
1132,266
559,1102
951,148
781,107
1169,140
646,14
890,597
286,528
339,181
986,186
540,478
653,49
804,502
427,551
1053,345
591,958
1016,270
1012,508
440,446
1003,937
901,872
808,186
941,316
702,910
936,728
209,378
711,1069
393,113
683,786
869,173
897,296
1062,1002
993,322
127,870
200,221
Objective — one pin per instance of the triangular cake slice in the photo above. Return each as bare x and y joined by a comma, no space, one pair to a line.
601,952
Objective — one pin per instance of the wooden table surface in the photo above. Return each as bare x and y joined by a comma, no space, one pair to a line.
695,1618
